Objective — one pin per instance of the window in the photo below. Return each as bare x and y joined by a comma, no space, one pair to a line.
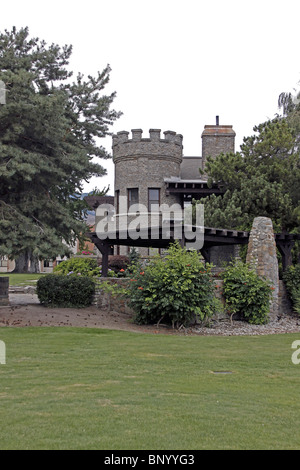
153,199
48,263
133,197
3,262
117,208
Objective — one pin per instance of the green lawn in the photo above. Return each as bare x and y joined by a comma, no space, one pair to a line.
77,388
22,279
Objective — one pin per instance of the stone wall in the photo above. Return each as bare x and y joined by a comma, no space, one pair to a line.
106,302
222,255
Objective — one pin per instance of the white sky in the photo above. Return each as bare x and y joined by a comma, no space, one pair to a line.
176,64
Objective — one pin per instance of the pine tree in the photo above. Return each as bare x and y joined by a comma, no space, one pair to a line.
260,180
49,130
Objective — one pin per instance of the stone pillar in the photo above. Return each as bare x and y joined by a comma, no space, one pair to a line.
4,285
262,256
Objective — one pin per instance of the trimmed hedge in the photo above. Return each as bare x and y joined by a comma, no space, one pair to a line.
83,266
65,291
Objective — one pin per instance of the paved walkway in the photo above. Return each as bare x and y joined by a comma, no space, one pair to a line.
23,299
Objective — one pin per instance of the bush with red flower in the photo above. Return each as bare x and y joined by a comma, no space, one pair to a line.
176,289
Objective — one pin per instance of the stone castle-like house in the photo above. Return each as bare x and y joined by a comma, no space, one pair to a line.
153,170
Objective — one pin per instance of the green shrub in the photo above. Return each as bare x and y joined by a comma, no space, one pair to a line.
291,278
134,259
83,266
65,291
246,294
296,301
176,288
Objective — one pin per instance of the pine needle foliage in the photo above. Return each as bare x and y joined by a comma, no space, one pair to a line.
49,130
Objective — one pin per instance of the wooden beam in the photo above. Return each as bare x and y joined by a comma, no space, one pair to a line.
285,250
195,190
103,247
212,237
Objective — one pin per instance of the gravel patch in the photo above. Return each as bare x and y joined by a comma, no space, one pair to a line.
284,324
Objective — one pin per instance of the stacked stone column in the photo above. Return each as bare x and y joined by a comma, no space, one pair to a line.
262,256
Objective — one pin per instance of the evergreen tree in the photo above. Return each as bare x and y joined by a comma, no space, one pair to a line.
49,126
260,180
290,106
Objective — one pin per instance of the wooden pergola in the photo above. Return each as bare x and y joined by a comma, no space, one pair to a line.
187,190
156,238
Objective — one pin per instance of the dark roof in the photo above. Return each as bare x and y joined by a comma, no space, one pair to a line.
189,168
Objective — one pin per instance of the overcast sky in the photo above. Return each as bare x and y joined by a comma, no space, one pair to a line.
176,64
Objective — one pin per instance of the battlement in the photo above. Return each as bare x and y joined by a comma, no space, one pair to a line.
152,147
122,137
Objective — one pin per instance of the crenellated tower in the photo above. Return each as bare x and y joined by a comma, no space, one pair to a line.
142,164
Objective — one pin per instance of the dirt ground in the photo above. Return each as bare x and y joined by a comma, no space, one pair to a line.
25,310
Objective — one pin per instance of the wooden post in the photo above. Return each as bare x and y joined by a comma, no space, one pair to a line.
104,249
105,252
285,250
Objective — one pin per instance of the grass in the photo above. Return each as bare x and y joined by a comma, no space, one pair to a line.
22,279
77,388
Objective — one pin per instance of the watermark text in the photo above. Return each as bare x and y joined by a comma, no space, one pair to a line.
164,222
296,354
2,352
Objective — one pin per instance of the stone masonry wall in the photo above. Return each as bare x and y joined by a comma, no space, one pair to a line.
105,301
216,140
144,162
262,256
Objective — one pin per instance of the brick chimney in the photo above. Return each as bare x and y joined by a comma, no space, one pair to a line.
217,139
